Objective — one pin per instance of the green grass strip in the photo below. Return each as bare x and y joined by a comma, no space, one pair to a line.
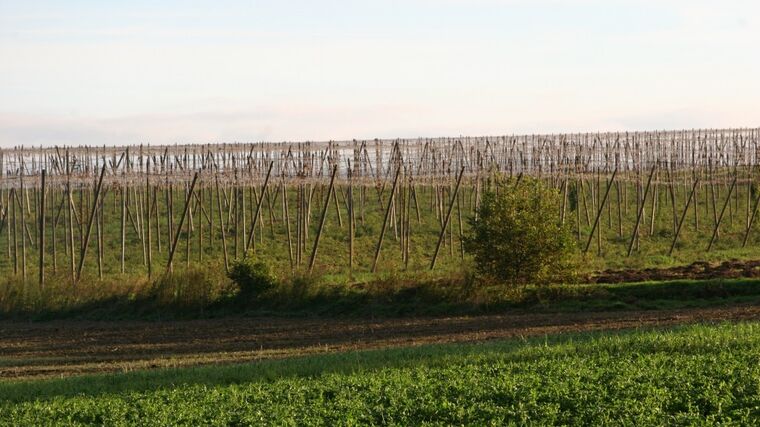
696,375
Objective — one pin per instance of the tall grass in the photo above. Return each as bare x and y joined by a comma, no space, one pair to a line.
207,291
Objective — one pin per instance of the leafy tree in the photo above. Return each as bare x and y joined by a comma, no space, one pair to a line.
517,236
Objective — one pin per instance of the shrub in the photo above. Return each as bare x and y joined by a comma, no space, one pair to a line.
517,236
253,277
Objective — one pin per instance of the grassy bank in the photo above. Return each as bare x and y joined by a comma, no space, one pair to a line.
701,374
207,292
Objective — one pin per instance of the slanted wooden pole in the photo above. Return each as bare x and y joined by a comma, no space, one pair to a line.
599,212
221,225
448,217
4,221
683,217
641,211
181,221
751,220
258,206
385,222
722,211
330,194
89,224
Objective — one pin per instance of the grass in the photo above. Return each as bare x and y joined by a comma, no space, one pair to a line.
695,375
656,234
198,287
206,292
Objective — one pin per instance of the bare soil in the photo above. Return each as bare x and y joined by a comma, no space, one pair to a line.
64,348
698,270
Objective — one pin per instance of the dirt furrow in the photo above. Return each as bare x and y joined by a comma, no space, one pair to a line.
62,348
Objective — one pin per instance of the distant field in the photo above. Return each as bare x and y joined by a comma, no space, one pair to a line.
702,374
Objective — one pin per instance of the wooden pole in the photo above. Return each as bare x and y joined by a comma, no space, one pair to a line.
14,215
42,229
599,212
641,210
351,223
286,218
446,220
181,221
221,224
123,224
722,211
23,228
683,217
70,236
751,220
385,222
147,224
313,257
89,224
258,206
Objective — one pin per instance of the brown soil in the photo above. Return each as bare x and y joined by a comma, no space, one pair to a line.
38,350
699,270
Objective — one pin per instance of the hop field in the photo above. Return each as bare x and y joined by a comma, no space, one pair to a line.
696,375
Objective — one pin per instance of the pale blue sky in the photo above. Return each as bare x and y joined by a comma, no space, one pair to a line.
100,72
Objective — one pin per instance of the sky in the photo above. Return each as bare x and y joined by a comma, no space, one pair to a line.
163,72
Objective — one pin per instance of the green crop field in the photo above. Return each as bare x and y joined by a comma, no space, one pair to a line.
695,375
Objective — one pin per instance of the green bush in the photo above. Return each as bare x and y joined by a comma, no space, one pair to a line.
517,236
253,277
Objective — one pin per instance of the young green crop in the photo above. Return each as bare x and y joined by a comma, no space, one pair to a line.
698,375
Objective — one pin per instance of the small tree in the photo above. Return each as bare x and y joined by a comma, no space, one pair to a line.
253,277
517,236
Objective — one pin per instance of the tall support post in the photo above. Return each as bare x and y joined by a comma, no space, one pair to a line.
722,211
23,227
14,219
385,222
147,219
322,218
751,220
446,220
42,229
351,221
599,212
258,206
641,211
683,216
221,224
181,221
123,223
70,237
89,223
286,218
